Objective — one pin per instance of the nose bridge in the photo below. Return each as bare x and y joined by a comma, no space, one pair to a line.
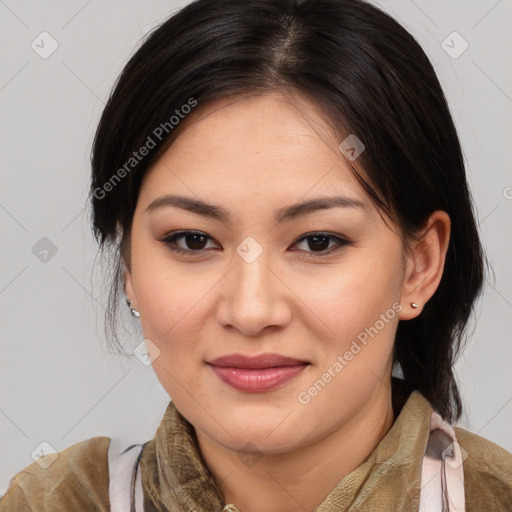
250,301
252,271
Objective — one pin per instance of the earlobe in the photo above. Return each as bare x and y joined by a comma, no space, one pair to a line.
425,264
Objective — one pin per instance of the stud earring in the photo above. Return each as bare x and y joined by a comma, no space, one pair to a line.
414,305
133,311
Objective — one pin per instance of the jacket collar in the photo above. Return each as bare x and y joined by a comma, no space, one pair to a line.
175,477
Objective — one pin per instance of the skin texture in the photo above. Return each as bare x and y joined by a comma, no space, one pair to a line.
268,450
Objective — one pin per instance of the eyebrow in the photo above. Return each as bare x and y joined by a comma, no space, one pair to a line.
212,211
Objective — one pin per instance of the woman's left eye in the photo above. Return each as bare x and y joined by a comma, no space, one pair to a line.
322,242
318,243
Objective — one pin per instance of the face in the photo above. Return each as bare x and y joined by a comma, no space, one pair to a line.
315,291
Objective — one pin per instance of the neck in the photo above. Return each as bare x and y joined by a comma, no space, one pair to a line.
303,478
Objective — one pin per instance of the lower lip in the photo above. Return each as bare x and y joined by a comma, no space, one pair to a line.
255,380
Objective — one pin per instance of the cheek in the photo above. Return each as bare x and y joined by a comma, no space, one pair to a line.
360,306
173,311
166,290
171,301
353,296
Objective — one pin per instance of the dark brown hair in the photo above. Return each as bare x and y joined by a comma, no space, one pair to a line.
370,77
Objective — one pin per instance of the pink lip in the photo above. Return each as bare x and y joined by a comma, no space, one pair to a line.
256,373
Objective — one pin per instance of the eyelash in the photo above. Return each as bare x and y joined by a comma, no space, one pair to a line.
170,240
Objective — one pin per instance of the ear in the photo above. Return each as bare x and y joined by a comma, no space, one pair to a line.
425,264
129,289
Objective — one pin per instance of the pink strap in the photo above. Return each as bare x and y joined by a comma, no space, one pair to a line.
442,478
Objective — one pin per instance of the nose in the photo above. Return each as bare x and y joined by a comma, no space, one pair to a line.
254,297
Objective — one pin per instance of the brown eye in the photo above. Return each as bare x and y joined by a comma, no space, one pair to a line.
320,243
194,241
191,242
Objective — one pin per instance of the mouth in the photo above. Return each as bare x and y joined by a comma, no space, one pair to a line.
255,374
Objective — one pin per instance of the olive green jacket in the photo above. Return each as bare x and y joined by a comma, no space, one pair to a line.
175,478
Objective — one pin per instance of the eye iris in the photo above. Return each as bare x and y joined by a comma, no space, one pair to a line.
195,241
320,242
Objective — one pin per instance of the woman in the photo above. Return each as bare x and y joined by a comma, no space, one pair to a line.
285,188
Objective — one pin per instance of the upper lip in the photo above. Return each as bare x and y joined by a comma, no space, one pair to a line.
255,362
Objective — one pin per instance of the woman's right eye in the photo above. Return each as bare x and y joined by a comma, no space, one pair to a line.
192,242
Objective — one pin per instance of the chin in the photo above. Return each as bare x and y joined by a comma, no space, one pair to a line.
257,444
273,434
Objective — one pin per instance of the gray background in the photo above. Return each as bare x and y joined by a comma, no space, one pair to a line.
59,383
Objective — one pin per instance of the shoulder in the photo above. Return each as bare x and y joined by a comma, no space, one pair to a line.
73,479
487,473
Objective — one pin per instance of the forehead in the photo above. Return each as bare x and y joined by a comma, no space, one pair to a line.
258,147
271,122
